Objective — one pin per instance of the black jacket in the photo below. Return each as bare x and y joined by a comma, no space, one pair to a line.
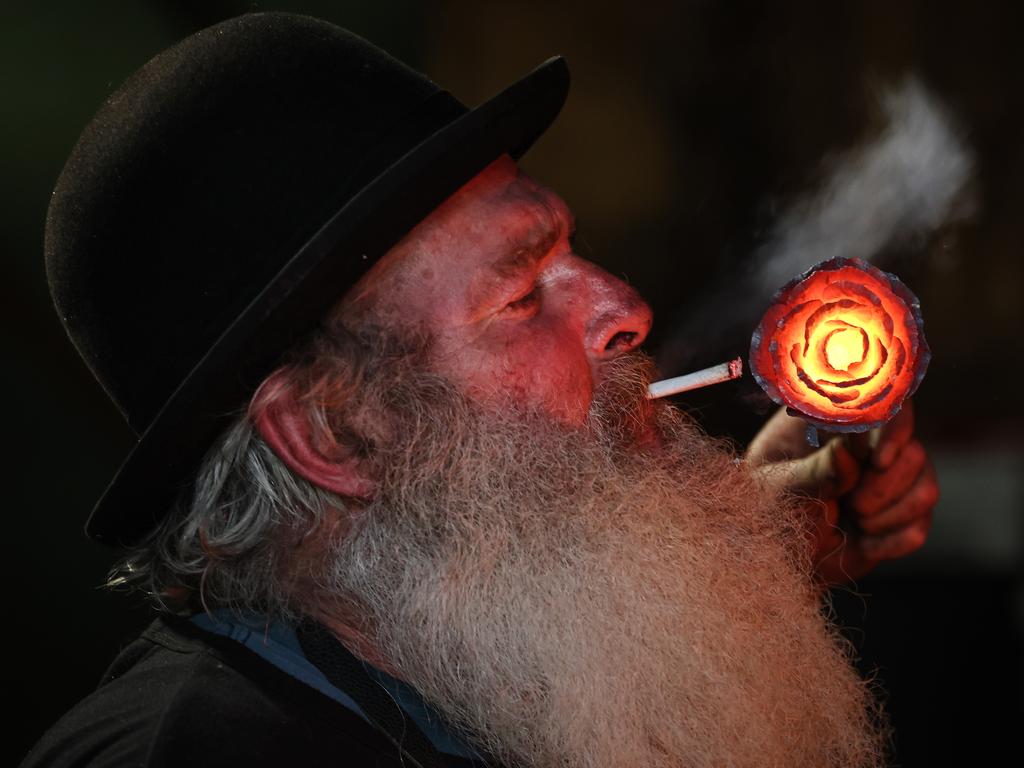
179,696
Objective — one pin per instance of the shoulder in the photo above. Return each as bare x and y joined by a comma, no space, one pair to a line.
177,696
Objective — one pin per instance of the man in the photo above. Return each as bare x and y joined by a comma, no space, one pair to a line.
398,492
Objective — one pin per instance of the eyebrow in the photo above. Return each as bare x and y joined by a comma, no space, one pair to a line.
521,257
535,244
524,255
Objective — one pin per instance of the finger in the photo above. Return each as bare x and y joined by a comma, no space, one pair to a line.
895,434
880,489
898,544
846,470
782,438
916,505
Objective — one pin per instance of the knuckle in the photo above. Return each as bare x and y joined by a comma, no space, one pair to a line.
897,544
914,453
908,541
913,541
928,495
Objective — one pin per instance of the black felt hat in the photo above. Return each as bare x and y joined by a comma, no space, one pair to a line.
225,197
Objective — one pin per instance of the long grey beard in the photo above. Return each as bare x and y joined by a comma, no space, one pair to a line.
567,598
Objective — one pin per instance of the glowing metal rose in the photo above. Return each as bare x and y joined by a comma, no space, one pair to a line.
842,346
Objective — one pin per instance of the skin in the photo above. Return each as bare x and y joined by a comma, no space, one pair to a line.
870,496
517,317
514,313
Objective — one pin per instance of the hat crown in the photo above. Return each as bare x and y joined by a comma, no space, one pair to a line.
224,198
202,175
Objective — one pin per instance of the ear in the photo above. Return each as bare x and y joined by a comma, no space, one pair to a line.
285,427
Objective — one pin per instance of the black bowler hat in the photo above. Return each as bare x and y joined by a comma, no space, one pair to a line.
225,197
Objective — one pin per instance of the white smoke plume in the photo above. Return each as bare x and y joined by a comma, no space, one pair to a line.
903,185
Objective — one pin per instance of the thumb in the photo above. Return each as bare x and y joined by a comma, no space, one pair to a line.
828,473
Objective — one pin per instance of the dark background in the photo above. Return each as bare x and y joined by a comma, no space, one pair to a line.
688,128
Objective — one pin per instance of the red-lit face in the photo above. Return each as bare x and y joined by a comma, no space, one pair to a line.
514,313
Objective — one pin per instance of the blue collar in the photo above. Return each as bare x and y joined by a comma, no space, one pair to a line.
277,643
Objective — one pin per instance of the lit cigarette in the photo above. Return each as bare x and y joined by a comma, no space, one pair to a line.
716,374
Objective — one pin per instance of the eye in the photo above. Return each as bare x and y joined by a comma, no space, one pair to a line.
525,303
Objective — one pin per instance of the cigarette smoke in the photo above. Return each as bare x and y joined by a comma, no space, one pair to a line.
897,189
901,186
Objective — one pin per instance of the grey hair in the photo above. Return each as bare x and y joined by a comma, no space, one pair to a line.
247,534
227,542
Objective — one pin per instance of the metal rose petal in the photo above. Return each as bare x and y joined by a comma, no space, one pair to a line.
804,353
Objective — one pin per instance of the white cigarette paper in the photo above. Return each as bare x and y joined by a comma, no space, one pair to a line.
716,374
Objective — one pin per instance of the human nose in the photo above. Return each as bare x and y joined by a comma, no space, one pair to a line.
620,319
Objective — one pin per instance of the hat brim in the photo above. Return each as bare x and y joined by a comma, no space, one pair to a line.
171,448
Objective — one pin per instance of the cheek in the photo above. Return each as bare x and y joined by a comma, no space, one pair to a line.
534,363
548,368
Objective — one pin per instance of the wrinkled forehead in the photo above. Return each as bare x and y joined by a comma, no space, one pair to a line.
504,194
501,205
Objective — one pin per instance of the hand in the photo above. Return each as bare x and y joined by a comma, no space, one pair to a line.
870,495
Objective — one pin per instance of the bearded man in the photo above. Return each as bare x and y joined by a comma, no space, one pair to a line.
398,494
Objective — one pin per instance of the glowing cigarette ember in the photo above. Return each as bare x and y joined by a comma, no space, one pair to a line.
842,346
716,374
